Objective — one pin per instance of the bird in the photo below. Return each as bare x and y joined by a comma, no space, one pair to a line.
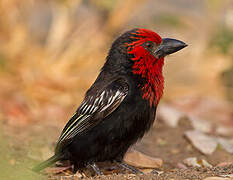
120,106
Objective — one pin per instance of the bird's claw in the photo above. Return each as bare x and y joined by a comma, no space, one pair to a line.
130,168
96,169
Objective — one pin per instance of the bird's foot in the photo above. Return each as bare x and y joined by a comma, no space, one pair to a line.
155,172
96,169
130,168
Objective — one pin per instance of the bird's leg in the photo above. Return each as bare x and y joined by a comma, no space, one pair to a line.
130,168
96,169
75,169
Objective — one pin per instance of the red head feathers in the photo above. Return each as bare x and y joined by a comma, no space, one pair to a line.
149,50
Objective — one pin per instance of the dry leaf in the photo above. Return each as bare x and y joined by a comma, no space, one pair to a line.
224,130
138,159
204,143
216,178
225,144
227,175
222,164
169,115
200,124
214,110
56,170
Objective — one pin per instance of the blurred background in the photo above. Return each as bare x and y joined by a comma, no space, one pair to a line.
52,50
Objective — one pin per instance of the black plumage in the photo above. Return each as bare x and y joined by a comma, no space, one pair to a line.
113,114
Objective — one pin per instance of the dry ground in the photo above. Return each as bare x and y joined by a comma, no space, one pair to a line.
162,141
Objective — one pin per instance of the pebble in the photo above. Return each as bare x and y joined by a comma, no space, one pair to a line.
205,163
181,166
192,161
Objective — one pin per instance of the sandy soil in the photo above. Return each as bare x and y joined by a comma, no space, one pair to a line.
172,147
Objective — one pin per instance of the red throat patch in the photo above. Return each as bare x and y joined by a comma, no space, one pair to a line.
147,66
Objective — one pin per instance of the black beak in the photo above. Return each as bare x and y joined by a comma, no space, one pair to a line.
169,46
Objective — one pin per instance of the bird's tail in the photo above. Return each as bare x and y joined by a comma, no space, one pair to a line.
46,163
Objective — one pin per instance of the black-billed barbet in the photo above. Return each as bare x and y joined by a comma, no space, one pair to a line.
121,104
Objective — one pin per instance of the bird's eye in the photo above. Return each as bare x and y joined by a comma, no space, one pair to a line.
148,45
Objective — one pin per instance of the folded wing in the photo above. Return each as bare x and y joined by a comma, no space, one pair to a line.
94,108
